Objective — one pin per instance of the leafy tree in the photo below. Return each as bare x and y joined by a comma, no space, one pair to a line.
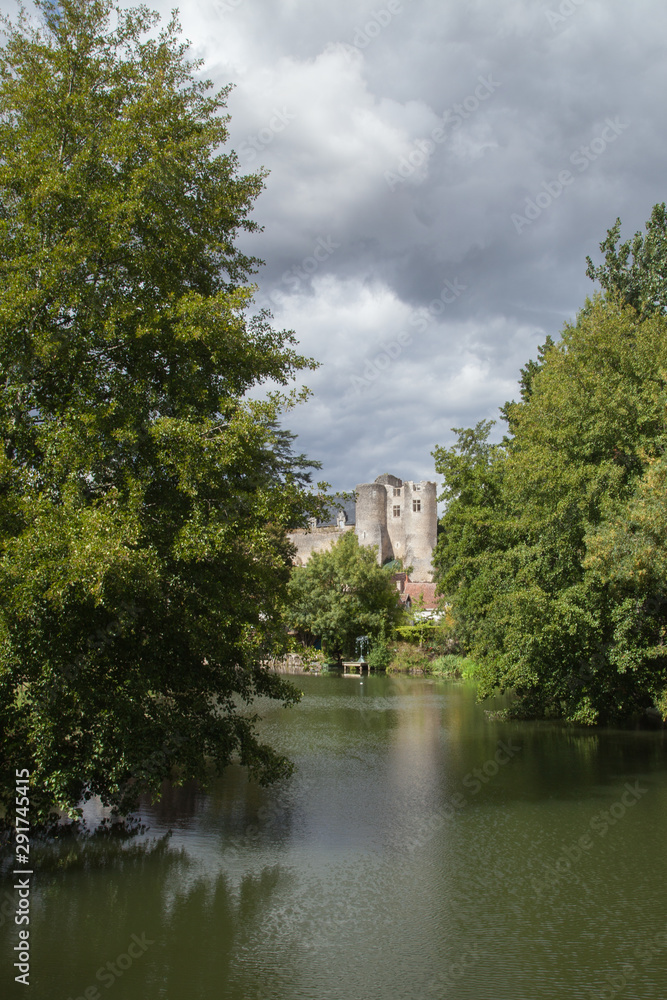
342,594
550,562
144,499
473,526
637,269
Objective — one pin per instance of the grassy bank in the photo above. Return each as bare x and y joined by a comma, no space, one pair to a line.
454,667
411,659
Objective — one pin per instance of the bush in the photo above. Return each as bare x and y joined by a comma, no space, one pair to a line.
455,667
408,659
434,639
380,656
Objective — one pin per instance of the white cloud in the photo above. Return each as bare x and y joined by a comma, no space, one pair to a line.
351,264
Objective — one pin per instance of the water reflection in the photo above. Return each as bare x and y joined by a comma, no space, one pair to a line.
421,850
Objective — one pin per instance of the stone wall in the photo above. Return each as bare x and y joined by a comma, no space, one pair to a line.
371,521
399,517
407,527
315,540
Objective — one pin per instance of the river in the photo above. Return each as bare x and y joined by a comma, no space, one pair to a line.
423,849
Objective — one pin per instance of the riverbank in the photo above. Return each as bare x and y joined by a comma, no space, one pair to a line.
409,659
454,667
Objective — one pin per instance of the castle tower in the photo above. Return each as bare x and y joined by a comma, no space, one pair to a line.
399,517
371,520
419,529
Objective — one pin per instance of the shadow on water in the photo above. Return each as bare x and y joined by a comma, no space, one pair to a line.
149,907
421,850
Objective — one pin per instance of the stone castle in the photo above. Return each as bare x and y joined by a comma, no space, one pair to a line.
398,516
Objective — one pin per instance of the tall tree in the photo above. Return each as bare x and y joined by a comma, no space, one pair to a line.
636,271
342,594
551,562
144,498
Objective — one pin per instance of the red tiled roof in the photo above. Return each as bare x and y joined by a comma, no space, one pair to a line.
416,590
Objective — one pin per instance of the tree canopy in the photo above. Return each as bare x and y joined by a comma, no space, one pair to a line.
341,594
144,497
636,270
552,550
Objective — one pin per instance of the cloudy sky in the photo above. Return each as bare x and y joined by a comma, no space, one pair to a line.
439,171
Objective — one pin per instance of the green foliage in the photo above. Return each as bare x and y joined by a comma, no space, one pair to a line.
636,270
418,634
473,525
381,650
454,667
342,594
311,658
552,552
144,500
408,659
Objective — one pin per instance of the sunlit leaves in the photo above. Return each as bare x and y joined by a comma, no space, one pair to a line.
341,594
553,544
144,499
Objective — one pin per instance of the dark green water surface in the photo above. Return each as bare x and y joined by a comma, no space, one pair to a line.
421,851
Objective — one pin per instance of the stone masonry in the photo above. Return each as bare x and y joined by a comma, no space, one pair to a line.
399,517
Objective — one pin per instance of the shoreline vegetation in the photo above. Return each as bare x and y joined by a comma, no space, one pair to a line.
410,660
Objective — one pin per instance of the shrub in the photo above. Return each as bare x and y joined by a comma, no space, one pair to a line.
408,659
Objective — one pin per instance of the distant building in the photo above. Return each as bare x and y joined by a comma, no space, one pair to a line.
399,517
417,597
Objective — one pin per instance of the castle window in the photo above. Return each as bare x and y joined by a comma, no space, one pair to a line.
416,487
397,510
397,491
416,505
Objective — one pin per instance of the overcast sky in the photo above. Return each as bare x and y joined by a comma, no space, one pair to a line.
438,173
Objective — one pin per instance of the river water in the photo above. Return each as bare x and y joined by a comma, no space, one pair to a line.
423,850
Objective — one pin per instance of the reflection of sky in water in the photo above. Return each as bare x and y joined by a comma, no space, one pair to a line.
354,879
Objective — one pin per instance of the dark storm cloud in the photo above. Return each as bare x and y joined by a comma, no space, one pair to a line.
438,173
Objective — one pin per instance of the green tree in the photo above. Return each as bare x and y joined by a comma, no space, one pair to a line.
637,269
474,530
551,566
144,498
342,594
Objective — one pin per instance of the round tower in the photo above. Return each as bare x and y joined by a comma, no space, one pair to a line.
421,503
371,519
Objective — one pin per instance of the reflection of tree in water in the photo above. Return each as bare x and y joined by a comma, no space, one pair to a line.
240,812
557,758
92,895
